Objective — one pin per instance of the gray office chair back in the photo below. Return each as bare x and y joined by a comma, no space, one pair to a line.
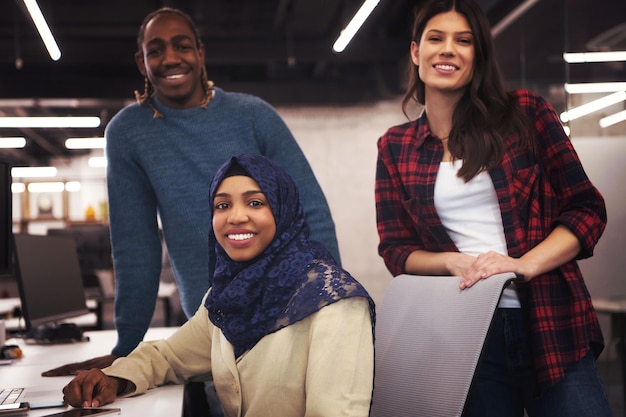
429,335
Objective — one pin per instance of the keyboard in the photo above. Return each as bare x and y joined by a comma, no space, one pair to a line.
10,395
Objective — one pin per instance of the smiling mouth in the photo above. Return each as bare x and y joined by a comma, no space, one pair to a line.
174,77
241,236
446,67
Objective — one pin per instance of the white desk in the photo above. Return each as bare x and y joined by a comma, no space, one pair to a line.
8,305
164,401
14,324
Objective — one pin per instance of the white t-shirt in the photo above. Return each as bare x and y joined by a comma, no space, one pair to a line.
471,215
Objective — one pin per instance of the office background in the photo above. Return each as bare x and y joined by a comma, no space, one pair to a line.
336,104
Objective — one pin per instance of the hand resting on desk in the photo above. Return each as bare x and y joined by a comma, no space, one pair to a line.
92,388
73,368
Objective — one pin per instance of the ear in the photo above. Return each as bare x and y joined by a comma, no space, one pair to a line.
141,64
415,53
201,53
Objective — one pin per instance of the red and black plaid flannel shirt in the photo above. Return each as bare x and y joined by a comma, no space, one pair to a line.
535,192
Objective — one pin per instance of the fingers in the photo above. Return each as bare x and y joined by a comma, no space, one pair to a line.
65,370
73,368
485,265
89,389
100,362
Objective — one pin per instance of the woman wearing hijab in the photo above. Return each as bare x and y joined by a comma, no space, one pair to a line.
283,330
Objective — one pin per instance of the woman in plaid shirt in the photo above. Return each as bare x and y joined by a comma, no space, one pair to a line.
486,181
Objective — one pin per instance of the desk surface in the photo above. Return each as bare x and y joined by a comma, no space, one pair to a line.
615,304
7,306
163,401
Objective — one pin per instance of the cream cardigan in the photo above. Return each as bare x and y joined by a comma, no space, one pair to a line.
320,366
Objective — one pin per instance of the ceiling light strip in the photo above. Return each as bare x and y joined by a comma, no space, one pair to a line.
46,187
355,24
593,106
33,172
49,122
583,88
43,29
613,119
97,162
85,143
12,142
584,57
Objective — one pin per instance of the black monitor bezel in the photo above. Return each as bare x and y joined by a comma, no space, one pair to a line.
6,219
31,322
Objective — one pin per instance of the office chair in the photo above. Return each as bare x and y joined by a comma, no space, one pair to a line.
429,335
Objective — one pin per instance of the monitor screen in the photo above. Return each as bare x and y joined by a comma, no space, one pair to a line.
6,220
49,279
93,246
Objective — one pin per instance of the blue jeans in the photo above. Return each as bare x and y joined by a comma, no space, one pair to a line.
504,383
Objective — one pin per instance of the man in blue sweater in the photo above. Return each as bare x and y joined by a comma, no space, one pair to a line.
162,152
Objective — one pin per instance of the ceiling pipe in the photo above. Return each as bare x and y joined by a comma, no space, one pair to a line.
512,17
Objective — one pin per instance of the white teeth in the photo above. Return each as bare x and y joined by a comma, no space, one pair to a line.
174,77
242,236
446,67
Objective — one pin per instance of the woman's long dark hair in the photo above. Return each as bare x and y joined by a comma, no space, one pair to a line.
486,114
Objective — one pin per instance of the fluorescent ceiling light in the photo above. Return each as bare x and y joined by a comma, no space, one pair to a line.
593,106
355,24
613,119
18,187
46,187
97,162
72,186
582,57
12,142
34,122
85,143
595,87
33,172
43,29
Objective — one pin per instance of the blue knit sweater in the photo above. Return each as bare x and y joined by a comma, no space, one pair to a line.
164,166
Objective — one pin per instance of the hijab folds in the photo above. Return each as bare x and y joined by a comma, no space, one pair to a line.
291,279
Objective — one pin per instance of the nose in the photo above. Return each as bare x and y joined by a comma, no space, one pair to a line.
170,56
237,215
447,47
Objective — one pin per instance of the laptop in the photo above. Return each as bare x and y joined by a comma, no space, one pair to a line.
16,401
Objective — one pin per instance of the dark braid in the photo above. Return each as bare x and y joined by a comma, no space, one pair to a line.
207,85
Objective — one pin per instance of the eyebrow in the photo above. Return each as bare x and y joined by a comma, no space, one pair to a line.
464,32
246,193
176,38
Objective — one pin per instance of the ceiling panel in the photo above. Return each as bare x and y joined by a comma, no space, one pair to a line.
277,49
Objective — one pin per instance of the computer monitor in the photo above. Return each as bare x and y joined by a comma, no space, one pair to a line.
93,245
50,286
6,220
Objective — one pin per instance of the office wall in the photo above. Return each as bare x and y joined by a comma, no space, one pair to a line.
340,144
603,159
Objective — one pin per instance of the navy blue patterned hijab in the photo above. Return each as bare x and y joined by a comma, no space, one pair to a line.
293,278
